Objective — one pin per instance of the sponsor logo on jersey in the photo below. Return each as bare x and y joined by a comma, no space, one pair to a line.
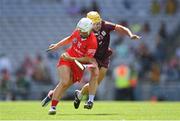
78,51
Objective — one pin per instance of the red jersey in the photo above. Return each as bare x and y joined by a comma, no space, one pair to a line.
82,47
79,48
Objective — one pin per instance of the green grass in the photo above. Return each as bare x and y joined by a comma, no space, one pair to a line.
32,110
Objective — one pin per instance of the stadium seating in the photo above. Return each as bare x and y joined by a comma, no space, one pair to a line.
30,26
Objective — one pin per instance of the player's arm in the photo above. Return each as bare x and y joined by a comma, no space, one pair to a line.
63,42
125,31
90,61
86,59
91,50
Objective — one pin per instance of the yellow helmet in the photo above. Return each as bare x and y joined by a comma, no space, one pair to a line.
94,16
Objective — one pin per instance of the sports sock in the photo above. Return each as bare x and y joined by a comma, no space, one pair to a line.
54,103
91,98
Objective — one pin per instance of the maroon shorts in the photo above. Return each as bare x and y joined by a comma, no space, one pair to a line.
77,73
104,62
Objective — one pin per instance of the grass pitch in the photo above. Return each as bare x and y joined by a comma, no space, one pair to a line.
121,111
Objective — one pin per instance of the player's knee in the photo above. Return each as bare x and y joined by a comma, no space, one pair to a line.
65,84
94,72
99,82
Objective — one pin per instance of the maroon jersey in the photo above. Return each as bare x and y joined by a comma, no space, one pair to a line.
103,38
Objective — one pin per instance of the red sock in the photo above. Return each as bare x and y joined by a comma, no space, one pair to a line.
54,103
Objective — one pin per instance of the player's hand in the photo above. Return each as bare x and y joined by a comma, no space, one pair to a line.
52,47
135,37
65,56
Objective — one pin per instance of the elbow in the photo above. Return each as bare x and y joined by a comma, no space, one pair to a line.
123,30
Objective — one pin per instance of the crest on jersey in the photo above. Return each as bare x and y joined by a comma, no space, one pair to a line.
75,41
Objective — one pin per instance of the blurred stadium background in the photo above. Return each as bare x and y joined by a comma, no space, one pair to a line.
148,69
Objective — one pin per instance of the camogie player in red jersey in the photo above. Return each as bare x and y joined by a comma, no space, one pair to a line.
84,45
102,30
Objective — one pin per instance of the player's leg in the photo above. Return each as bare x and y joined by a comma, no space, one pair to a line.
89,103
47,99
102,74
65,82
103,64
93,84
85,89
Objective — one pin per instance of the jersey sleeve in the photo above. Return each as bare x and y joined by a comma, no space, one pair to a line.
74,34
92,47
110,26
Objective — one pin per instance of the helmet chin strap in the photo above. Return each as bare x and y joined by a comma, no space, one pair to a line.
83,38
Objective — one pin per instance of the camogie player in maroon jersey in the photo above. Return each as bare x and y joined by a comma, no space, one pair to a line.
102,30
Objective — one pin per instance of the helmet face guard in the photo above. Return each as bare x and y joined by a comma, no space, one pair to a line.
84,35
85,26
97,26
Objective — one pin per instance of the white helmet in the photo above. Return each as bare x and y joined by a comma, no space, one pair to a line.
85,25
